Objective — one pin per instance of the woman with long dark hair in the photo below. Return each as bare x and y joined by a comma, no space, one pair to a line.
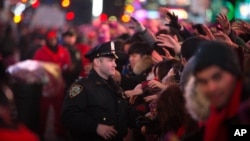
172,117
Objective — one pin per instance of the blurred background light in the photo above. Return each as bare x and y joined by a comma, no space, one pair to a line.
162,2
103,17
19,8
35,4
182,14
142,0
113,18
245,10
70,15
140,14
153,14
65,3
129,9
97,8
17,19
24,1
125,18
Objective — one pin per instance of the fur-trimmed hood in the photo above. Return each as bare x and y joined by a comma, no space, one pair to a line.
196,104
145,63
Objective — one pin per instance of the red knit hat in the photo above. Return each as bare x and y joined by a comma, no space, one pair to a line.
51,34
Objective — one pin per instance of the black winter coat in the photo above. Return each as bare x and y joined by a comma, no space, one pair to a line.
92,101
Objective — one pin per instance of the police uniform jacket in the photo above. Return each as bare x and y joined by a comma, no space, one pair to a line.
92,101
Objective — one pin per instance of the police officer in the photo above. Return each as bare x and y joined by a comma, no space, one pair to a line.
94,108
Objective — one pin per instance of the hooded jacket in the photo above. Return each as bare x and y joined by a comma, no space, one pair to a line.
138,74
196,104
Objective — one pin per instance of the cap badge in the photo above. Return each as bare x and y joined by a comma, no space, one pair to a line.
112,45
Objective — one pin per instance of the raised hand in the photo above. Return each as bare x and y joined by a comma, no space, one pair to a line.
156,57
224,22
105,131
167,56
117,76
156,84
151,98
173,20
137,25
134,92
241,27
209,35
226,39
165,40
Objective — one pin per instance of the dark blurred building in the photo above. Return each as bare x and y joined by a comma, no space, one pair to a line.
82,10
113,7
1,4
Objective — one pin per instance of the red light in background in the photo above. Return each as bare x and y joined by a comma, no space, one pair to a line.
70,15
103,17
35,4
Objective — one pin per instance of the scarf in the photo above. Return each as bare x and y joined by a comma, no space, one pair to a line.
215,129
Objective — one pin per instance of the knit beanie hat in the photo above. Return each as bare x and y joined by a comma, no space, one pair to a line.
190,46
217,53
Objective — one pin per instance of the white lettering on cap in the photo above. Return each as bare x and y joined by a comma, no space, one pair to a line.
112,45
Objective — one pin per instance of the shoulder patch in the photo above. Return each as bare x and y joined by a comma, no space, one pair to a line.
74,90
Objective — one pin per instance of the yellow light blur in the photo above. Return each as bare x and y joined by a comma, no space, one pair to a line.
24,1
65,3
17,18
113,18
129,8
129,1
125,18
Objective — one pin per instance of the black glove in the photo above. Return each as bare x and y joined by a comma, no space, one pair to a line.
138,26
173,21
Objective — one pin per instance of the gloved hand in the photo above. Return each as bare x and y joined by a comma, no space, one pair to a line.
225,24
173,20
137,25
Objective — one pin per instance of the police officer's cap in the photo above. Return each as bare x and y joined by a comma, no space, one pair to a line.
103,50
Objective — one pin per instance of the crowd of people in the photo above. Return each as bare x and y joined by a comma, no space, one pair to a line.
139,81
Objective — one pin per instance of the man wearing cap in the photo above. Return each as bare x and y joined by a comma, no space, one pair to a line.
94,108
69,41
53,52
219,78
